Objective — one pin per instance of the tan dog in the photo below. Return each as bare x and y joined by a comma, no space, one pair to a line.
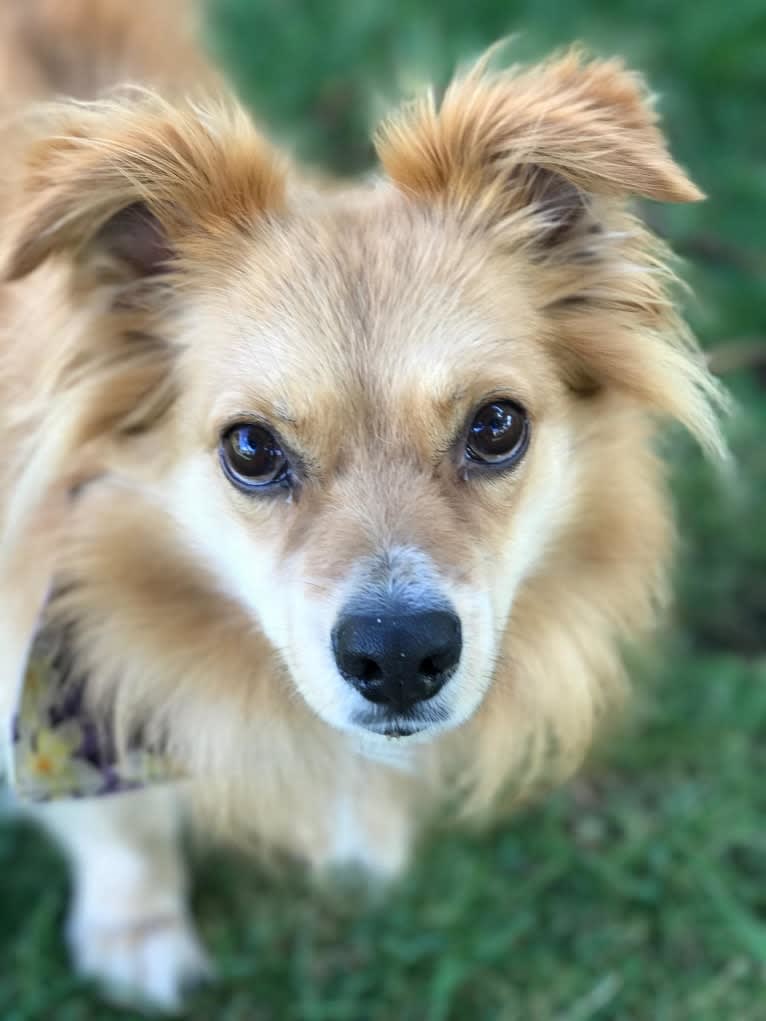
376,502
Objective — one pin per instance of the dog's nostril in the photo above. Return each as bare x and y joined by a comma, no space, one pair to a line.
429,667
368,671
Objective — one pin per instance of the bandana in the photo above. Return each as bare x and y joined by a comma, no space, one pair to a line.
56,749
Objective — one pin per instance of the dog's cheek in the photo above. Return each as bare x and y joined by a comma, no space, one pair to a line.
312,609
545,501
514,550
245,558
240,555
480,642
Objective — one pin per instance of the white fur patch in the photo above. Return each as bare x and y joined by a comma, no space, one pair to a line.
298,617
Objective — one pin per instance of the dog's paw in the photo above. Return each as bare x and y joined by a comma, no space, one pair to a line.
150,962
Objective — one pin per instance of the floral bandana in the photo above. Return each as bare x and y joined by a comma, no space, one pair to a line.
56,750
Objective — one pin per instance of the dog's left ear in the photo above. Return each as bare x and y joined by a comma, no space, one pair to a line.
550,136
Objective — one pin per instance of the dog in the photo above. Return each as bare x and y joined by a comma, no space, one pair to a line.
346,495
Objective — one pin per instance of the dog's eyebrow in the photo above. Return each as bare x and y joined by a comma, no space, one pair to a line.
230,406
281,413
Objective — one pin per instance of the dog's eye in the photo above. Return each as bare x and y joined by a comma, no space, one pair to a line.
252,457
498,435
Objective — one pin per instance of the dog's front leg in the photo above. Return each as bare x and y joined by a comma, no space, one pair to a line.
129,926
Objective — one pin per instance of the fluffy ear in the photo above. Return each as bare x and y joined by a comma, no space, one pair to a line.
129,181
551,135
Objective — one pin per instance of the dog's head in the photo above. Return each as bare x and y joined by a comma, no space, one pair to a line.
406,426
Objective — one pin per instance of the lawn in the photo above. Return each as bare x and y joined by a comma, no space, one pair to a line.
638,893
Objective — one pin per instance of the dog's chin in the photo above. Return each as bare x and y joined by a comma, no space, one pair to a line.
394,742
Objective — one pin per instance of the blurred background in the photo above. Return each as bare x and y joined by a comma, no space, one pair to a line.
639,892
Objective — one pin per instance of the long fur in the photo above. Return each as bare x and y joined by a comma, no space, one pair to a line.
506,205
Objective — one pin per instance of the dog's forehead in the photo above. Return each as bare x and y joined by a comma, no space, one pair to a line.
375,297
361,282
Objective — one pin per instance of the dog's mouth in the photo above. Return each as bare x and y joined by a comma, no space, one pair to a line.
398,725
398,730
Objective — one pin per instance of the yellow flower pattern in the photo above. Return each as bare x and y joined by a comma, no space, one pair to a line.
58,750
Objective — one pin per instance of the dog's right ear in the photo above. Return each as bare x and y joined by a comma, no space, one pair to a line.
129,183
122,194
547,138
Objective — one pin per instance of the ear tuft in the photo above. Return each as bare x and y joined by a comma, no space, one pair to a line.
588,125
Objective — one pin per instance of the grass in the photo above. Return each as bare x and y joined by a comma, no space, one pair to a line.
639,893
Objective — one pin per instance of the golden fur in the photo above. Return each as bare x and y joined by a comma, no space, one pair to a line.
497,253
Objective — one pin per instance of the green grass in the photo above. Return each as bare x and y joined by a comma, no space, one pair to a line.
640,891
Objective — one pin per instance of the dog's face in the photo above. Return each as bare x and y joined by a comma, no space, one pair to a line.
372,452
383,412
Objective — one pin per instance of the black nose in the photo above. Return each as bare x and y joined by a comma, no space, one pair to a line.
398,659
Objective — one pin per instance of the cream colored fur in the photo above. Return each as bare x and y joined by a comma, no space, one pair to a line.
496,254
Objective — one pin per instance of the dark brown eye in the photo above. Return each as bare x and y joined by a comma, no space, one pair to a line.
252,457
498,435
